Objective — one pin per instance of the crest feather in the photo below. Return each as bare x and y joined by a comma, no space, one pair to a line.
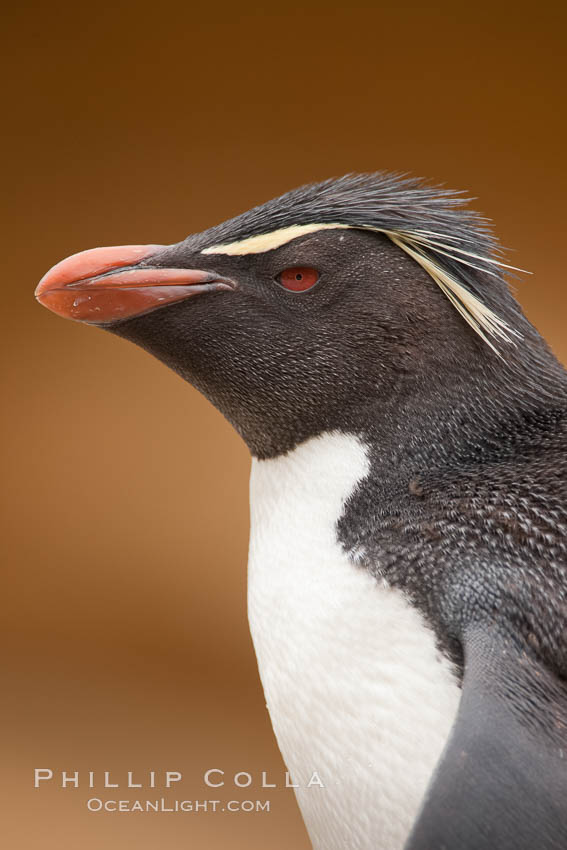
484,321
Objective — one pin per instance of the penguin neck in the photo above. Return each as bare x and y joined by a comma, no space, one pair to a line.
431,411
451,419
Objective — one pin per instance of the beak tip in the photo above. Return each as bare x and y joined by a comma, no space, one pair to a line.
40,288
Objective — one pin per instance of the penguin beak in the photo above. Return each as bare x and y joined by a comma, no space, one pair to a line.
106,285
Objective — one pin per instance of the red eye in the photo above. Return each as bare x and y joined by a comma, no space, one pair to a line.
298,279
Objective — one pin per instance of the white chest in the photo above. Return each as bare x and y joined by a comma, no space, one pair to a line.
353,682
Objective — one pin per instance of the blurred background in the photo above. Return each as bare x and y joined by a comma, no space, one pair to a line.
125,640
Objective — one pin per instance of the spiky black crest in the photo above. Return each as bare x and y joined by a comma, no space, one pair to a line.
382,201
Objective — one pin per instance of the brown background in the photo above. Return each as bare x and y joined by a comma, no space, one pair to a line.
123,609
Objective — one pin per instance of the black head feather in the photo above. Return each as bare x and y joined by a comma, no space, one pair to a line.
388,202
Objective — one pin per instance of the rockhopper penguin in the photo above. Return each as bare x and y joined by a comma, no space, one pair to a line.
407,571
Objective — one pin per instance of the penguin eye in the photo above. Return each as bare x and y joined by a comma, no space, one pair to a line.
298,279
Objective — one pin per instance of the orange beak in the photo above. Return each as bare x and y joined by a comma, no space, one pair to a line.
106,285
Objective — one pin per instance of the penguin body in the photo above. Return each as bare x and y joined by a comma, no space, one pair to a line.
408,559
354,683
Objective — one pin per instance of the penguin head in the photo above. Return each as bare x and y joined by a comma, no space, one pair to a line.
305,313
